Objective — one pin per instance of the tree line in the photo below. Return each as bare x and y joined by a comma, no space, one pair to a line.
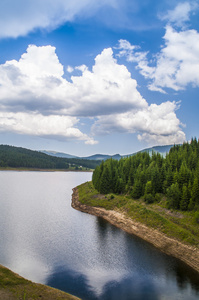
17,157
151,176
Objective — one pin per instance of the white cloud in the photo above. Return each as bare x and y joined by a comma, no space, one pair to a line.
135,55
176,65
70,69
36,99
19,17
57,127
35,83
108,88
156,124
91,142
178,62
180,14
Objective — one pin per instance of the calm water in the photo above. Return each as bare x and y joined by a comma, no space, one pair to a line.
45,240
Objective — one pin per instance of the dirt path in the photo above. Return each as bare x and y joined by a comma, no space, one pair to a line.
187,254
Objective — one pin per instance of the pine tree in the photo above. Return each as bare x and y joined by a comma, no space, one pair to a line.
194,194
137,189
148,188
105,182
173,196
185,198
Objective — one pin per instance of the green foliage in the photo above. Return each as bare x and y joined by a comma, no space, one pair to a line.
184,198
137,189
196,217
149,198
105,181
148,188
173,195
142,175
181,225
15,157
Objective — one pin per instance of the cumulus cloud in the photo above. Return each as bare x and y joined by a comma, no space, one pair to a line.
178,62
36,82
175,66
57,127
36,99
154,124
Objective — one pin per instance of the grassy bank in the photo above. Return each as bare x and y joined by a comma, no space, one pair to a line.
182,226
12,287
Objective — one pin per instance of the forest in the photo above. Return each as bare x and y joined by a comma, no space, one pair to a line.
17,157
150,177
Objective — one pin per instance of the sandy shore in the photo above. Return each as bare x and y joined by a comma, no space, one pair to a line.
187,254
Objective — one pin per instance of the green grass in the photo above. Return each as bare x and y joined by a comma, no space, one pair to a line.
175,224
12,287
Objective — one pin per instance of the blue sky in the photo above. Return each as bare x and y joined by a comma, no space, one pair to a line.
86,77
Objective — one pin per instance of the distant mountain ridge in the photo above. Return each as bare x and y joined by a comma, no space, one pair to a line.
103,157
58,154
160,149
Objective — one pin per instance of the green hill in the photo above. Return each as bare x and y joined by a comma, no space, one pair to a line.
150,176
17,157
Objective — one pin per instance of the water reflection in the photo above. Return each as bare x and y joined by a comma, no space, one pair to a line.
75,283
47,241
125,267
185,276
78,284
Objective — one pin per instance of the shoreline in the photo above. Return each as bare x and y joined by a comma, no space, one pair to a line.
41,170
13,286
187,254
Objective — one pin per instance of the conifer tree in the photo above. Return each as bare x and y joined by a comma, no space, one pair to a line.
105,182
173,195
184,202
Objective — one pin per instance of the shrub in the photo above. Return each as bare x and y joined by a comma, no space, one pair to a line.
158,197
196,217
149,198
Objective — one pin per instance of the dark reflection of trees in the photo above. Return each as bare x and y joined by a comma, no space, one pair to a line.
145,256
102,227
185,275
127,289
71,282
136,287
130,289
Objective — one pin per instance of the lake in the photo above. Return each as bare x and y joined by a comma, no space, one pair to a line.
45,240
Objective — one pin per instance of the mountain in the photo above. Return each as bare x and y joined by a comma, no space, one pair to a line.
102,157
58,154
18,157
161,149
92,157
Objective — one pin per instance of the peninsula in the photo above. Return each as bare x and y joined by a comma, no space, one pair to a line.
177,241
